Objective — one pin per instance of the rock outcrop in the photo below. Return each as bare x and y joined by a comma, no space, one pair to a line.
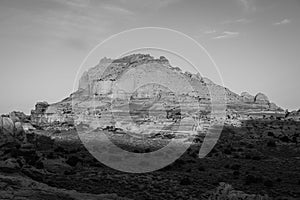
7,125
99,80
293,115
98,83
38,113
18,116
50,115
10,128
261,98
247,98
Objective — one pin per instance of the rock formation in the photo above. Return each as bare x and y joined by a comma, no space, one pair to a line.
98,83
247,98
54,114
7,125
261,98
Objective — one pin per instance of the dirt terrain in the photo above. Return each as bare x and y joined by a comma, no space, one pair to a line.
259,157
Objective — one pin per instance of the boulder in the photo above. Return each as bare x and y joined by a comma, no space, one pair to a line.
19,131
7,139
261,98
247,98
16,116
7,125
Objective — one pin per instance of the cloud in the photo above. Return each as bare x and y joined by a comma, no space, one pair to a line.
248,5
165,3
237,21
210,31
285,21
77,4
77,43
153,4
117,10
227,35
245,3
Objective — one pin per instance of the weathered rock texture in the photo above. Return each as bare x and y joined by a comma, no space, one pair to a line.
98,83
261,98
247,98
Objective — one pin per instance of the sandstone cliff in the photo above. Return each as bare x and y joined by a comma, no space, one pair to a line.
98,83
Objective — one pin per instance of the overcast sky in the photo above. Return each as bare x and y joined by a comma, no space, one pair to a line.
254,42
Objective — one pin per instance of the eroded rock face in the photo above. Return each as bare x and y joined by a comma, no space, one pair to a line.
17,116
84,81
273,106
261,98
99,80
41,107
294,115
38,113
27,127
247,98
58,114
99,83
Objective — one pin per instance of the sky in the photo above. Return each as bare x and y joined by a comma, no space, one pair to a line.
255,43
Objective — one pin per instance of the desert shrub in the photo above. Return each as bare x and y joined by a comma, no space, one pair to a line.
268,183
235,167
278,179
72,161
201,168
185,181
251,179
60,149
227,151
39,165
271,134
226,192
284,139
271,143
236,173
